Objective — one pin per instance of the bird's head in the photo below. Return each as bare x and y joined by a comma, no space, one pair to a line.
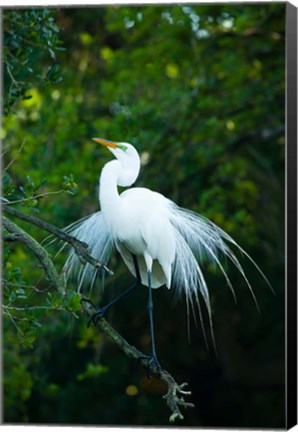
128,158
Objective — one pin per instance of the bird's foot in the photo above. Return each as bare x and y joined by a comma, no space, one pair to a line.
98,314
152,365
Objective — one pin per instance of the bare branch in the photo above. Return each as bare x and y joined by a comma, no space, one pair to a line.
17,154
35,197
33,308
13,80
19,285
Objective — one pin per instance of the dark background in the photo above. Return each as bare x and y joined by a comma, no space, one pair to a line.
199,91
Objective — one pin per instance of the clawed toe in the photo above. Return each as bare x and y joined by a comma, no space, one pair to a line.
98,314
152,365
86,300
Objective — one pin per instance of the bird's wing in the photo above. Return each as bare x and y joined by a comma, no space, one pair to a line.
147,233
94,231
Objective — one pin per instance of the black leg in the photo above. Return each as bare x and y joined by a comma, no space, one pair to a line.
137,269
152,360
150,309
100,311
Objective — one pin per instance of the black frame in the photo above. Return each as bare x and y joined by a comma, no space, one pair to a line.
291,294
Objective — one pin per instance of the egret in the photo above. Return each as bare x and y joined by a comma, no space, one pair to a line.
160,242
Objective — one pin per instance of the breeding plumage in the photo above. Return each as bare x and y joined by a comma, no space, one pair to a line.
169,243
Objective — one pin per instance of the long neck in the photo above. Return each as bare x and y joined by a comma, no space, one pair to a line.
110,201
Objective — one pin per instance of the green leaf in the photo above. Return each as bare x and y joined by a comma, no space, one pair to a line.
73,302
54,300
28,339
92,371
70,185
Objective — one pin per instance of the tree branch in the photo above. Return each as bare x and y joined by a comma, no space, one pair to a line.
35,197
10,237
39,252
33,308
80,248
175,391
22,145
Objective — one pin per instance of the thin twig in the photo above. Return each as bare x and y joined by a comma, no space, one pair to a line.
12,318
33,308
13,80
21,37
35,197
18,152
33,287
80,248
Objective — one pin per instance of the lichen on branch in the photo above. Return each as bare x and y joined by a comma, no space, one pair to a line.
39,252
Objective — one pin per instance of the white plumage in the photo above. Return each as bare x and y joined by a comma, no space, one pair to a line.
168,241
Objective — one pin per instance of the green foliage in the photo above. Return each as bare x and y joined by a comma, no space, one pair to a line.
92,371
30,43
71,302
70,185
199,90
24,193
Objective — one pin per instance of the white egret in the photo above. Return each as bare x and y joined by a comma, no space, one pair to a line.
160,243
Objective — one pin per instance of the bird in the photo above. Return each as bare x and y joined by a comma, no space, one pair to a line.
160,242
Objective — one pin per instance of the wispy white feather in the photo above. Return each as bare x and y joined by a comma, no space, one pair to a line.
92,230
198,240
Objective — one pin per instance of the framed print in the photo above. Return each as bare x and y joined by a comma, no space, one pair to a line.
149,211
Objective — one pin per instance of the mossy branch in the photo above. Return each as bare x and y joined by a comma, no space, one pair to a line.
80,248
39,252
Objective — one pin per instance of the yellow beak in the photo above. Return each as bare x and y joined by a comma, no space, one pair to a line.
106,143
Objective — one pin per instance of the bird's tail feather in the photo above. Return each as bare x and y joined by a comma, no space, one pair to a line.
197,238
92,230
